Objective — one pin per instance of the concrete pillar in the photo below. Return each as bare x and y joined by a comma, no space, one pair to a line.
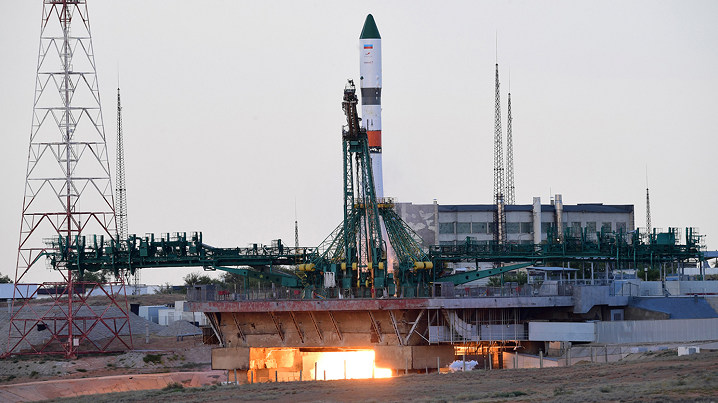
230,358
537,220
413,357
541,359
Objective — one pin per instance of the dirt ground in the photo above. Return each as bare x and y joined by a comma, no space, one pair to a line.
647,377
167,355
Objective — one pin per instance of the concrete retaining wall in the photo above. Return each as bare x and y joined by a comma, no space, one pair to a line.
657,331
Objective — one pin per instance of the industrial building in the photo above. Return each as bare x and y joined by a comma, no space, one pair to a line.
439,224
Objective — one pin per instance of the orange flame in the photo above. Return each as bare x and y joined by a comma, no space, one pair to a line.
359,365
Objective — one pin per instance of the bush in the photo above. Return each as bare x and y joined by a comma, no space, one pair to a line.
173,386
152,358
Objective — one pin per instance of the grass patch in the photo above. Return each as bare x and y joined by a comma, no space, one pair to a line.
152,358
81,370
191,365
173,386
34,374
561,390
510,394
605,389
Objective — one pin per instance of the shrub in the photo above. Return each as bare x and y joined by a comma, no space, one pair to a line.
173,386
152,358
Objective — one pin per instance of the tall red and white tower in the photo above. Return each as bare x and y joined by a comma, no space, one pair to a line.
68,193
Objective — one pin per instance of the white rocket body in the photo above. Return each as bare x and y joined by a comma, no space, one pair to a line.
370,85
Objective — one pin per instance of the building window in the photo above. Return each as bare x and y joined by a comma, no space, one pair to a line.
463,227
575,229
606,227
479,227
527,227
545,226
621,227
446,228
446,243
591,227
512,228
492,227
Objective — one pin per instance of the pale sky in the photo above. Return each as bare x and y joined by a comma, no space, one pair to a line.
231,109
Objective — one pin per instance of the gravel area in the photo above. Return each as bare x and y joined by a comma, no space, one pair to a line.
180,327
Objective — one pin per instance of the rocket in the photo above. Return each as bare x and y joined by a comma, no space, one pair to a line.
370,85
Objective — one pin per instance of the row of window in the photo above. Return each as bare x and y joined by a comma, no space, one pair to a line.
462,228
484,228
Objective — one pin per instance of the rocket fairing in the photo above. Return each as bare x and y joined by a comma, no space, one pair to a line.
370,85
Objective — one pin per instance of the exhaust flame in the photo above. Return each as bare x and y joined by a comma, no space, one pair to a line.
359,365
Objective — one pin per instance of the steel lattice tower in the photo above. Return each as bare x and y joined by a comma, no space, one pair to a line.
510,191
648,214
121,188
68,193
499,184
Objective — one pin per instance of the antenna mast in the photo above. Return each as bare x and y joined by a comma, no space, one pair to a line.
499,185
648,208
510,191
121,188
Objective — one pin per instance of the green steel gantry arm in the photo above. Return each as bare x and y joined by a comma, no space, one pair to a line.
463,278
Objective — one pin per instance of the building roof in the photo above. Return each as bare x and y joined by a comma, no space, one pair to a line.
569,208
676,307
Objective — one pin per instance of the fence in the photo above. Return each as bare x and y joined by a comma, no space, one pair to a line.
508,290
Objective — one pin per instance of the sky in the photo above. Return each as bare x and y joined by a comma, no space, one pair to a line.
232,109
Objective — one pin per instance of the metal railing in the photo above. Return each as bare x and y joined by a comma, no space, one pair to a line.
508,290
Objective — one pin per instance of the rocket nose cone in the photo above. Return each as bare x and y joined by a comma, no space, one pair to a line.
370,31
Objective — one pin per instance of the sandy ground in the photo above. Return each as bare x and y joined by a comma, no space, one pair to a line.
648,377
170,355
